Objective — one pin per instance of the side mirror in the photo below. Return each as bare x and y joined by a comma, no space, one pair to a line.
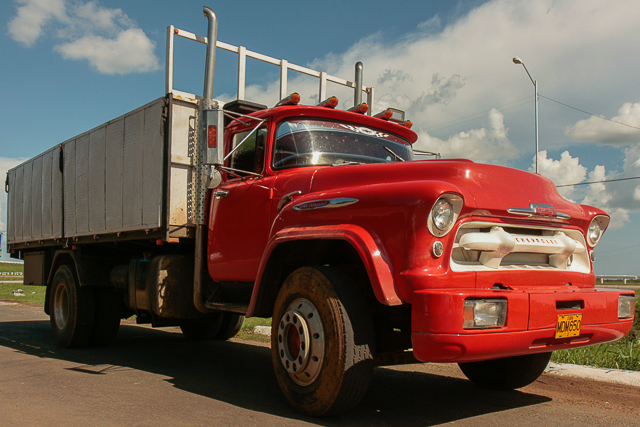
212,178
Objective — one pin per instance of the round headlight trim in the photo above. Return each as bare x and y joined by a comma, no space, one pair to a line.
443,214
594,232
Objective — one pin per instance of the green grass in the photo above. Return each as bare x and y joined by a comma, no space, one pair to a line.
246,332
622,354
32,294
11,267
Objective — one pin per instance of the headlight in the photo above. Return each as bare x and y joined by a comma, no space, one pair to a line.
484,313
594,232
626,306
444,213
596,228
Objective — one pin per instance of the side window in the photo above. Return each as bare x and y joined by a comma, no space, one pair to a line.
250,156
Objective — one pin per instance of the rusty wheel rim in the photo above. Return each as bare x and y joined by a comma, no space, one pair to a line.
301,341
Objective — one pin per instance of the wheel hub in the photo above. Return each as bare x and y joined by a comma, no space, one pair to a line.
61,306
301,341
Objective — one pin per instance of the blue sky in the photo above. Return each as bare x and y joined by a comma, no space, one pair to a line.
68,66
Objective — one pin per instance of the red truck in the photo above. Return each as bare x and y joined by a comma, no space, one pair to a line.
187,212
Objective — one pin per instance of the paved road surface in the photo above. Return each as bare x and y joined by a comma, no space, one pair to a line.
156,378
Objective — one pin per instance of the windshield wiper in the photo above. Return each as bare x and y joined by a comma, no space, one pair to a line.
394,154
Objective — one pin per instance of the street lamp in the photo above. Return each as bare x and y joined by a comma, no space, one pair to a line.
517,60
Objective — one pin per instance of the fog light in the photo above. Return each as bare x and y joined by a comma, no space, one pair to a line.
484,313
626,306
438,249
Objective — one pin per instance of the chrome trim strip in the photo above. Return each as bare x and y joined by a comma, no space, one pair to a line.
539,210
325,204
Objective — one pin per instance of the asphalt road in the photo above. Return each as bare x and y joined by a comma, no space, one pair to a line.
154,377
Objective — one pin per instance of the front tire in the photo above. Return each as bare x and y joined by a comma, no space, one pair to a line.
507,373
322,341
72,309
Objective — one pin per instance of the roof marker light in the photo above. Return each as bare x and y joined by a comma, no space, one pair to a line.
384,115
292,99
330,102
360,108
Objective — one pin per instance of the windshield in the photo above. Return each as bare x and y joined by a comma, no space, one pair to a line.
311,142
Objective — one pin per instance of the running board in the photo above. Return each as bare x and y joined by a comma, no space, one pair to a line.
228,306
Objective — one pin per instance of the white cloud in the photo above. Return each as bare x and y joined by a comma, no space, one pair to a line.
487,144
595,129
444,71
107,38
131,51
617,198
31,16
567,170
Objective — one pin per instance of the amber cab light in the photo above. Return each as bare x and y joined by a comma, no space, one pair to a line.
360,108
384,115
212,141
330,102
292,99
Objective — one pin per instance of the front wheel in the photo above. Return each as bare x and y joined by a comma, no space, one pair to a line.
507,373
321,341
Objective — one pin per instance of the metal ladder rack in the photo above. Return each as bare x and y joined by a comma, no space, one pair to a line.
243,53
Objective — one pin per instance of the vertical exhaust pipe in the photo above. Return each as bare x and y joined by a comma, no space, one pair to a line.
357,92
200,251
210,63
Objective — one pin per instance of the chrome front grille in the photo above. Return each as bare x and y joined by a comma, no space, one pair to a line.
488,246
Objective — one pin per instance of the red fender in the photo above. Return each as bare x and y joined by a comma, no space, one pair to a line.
377,268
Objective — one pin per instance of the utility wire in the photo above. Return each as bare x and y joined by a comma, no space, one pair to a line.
458,122
586,112
472,117
599,182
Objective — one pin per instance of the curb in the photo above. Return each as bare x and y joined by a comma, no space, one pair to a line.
614,376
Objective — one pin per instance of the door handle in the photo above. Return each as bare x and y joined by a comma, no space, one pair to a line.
287,198
220,194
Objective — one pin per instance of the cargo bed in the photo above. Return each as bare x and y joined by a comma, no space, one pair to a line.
133,177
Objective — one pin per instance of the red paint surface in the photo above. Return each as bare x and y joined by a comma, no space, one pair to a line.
387,227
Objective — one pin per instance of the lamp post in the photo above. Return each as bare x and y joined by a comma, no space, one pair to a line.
517,60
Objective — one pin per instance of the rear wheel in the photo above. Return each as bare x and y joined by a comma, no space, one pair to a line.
231,324
109,311
72,309
321,341
221,327
508,373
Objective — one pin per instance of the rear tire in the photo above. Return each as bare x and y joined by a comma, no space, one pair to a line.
221,327
231,324
322,341
72,309
109,311
508,373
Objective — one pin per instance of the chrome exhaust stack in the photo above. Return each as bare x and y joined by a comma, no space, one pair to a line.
210,62
357,95
210,115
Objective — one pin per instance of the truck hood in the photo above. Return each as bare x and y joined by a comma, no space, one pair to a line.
488,190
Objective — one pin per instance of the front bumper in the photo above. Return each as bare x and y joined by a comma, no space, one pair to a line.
530,327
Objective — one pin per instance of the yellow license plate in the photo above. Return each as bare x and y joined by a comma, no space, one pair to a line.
568,325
